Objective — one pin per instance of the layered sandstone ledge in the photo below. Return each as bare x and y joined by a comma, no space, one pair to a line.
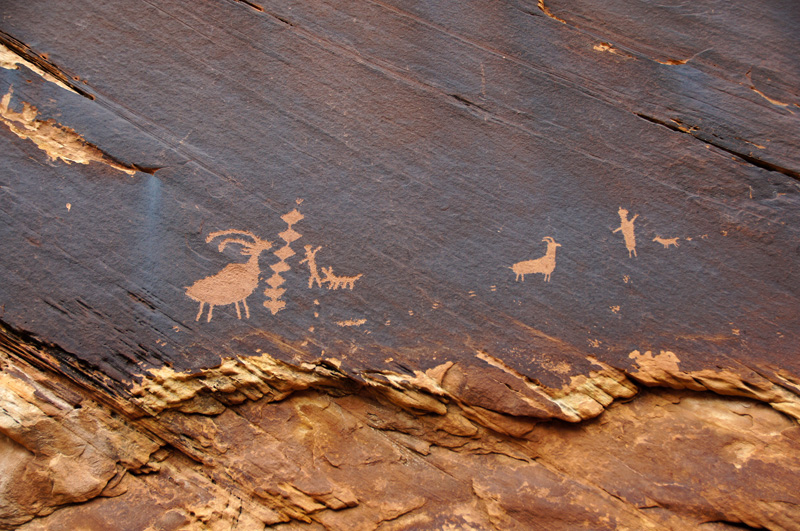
304,447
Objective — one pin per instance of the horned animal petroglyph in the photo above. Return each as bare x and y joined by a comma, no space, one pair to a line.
544,265
236,281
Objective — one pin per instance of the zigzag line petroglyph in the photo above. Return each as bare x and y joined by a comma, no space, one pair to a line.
274,291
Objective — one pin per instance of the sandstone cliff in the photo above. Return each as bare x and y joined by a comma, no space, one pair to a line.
399,265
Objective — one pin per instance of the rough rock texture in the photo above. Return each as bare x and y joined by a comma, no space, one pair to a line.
353,459
58,446
399,265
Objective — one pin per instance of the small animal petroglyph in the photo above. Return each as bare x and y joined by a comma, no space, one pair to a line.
544,265
236,281
310,259
666,242
335,282
626,226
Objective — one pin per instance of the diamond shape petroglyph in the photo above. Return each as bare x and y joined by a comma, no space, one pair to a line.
274,293
275,306
284,253
275,280
292,217
289,235
280,267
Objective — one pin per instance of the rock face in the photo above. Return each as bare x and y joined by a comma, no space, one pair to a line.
395,265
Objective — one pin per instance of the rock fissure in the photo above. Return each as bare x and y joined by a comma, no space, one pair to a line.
584,398
708,139
14,52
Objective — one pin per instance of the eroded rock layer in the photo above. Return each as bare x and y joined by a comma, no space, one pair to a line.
354,458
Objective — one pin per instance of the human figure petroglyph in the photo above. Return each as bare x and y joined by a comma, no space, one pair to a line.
626,226
544,265
335,282
236,281
310,259
666,242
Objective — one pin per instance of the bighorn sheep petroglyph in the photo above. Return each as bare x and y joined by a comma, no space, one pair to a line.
544,265
236,281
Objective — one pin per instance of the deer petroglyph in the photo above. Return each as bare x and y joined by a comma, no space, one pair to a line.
236,281
544,265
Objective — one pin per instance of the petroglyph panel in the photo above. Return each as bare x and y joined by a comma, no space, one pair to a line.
432,164
454,277
237,281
